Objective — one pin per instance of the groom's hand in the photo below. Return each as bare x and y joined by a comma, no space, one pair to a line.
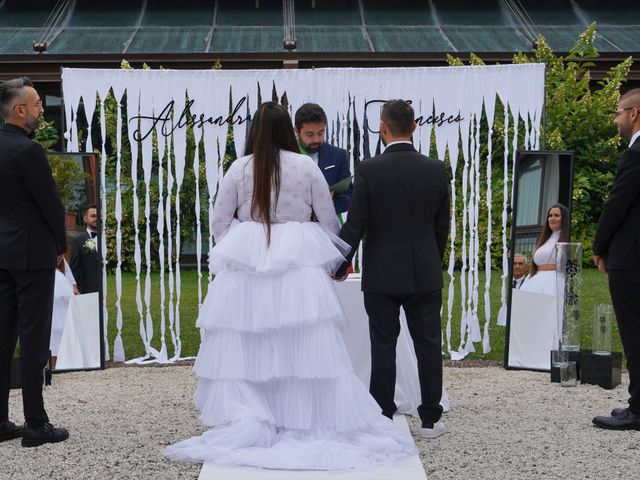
342,273
600,263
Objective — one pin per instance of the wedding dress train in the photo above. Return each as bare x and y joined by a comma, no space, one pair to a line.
275,379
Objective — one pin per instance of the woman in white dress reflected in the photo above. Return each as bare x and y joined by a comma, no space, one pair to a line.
542,271
275,379
65,288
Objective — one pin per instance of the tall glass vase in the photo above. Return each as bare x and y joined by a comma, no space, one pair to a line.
601,334
568,283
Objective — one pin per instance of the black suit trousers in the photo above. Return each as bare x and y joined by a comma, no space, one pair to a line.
624,286
423,319
26,304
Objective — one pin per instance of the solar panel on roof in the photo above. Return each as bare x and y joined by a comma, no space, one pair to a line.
407,39
170,40
91,40
246,39
486,39
331,39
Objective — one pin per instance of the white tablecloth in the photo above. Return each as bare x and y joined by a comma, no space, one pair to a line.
80,344
356,337
533,329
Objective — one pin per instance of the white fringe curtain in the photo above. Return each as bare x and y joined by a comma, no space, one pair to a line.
452,102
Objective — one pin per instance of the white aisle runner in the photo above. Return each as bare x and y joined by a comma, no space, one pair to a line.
408,469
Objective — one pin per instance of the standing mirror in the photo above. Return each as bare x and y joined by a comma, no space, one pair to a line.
541,216
76,327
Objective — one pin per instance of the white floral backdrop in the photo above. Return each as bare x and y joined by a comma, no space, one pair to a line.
449,100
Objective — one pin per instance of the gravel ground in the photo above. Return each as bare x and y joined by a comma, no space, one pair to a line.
502,425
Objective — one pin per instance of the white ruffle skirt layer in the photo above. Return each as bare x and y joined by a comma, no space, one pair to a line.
275,379
544,281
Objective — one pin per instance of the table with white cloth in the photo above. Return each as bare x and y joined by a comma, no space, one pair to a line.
356,337
80,344
534,327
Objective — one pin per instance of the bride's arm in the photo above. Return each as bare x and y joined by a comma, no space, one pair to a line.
322,203
225,206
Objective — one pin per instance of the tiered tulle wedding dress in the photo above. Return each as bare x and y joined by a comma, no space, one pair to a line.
275,379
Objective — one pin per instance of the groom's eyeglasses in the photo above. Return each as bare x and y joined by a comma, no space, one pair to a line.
620,110
37,104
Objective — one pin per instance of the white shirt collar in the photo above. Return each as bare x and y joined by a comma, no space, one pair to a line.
399,141
634,138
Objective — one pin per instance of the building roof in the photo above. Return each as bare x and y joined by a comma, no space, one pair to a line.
321,26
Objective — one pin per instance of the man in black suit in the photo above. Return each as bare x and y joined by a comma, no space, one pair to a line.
616,249
400,208
520,267
333,162
32,241
85,261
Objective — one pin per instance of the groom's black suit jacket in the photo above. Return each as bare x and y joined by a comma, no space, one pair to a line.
400,208
85,264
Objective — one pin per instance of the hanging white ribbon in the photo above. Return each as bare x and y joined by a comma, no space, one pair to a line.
118,346
103,222
133,110
490,105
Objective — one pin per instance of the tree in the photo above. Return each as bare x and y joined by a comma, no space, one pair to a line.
578,116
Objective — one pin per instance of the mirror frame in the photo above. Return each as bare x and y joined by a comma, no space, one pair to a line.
94,184
520,156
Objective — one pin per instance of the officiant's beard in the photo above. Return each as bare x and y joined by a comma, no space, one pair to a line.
311,147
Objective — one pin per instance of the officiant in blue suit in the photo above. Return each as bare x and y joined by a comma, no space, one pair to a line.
311,124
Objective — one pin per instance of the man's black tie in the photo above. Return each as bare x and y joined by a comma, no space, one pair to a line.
515,284
93,234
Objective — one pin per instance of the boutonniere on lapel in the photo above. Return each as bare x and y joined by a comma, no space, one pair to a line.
90,245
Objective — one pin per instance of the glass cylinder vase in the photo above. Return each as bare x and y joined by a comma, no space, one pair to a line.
568,283
601,334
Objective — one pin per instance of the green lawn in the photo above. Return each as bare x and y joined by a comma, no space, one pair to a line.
594,291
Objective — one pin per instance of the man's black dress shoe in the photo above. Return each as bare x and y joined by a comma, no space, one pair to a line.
625,420
616,412
9,431
47,433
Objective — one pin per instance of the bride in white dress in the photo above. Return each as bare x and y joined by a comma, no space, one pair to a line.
65,288
275,379
542,273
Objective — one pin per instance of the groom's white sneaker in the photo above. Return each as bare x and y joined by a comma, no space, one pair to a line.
433,430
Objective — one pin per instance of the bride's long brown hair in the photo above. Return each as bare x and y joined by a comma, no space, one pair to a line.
271,131
546,233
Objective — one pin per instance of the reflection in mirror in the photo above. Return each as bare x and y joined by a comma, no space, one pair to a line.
541,217
76,328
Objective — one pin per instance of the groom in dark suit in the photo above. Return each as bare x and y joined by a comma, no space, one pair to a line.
85,260
400,208
32,241
616,249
